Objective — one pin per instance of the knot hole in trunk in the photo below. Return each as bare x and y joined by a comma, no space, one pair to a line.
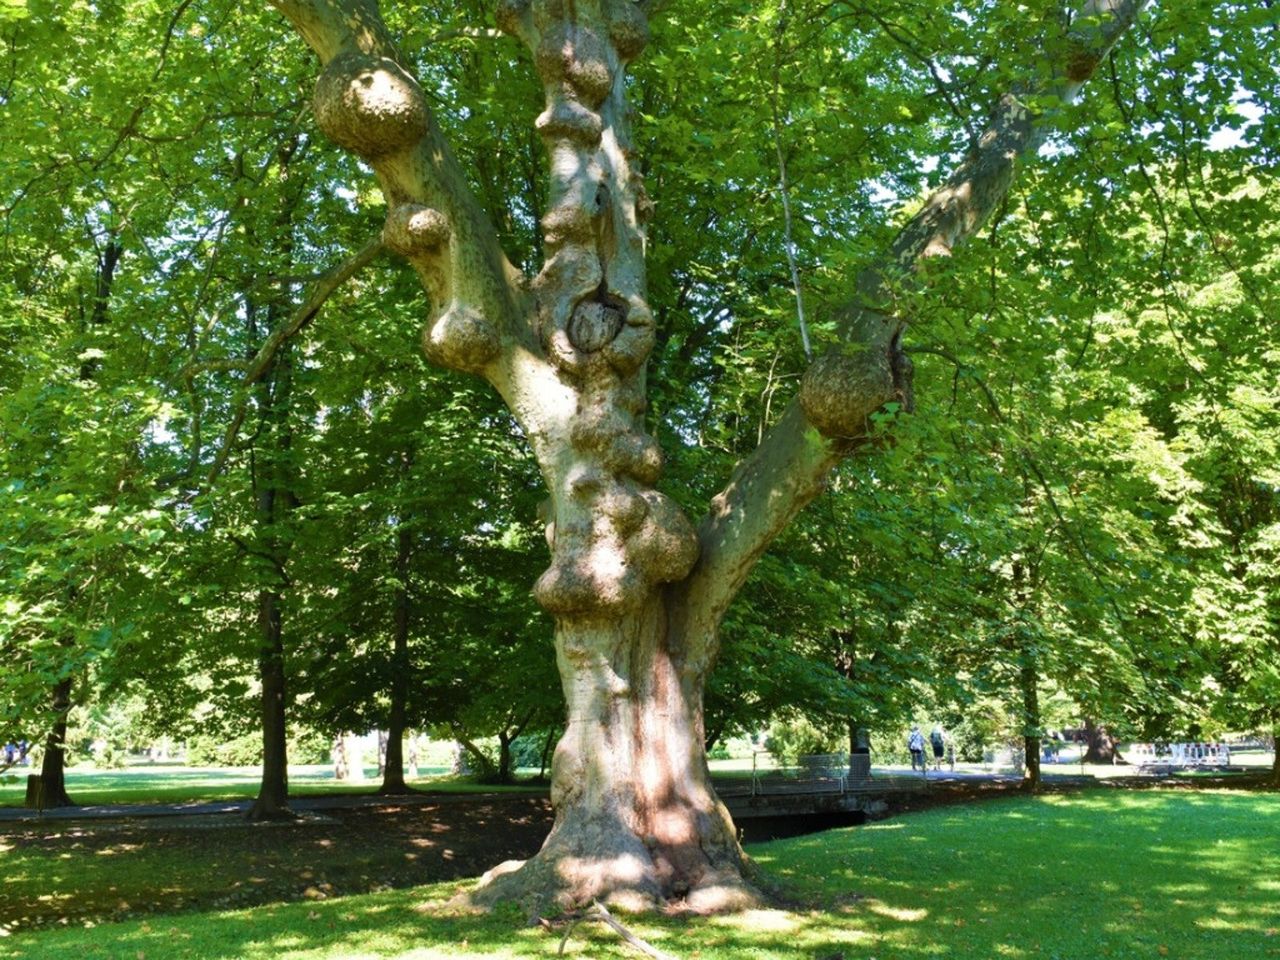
596,322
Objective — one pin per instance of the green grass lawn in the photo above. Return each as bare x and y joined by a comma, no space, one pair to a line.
1101,873
175,783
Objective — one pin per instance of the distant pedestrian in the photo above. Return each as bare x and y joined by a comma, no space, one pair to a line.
938,741
915,743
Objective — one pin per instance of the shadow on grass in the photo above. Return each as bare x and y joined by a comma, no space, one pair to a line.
1077,877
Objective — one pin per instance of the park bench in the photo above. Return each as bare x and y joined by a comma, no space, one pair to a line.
1167,757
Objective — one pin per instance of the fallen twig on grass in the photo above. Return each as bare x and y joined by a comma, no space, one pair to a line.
604,916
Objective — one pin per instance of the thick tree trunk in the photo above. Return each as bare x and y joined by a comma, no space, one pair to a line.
636,592
1100,746
272,802
53,778
637,821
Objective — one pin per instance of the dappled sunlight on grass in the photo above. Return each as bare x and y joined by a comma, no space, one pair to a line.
1103,874
172,783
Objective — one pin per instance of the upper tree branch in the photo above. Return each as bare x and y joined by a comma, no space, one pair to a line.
367,101
316,296
867,368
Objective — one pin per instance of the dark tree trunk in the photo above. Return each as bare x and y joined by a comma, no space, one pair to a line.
504,757
393,770
1028,677
275,499
273,794
53,779
1275,750
546,753
1100,745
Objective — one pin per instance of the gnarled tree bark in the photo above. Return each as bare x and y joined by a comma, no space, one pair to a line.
637,590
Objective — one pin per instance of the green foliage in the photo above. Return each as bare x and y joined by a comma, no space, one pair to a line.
1086,492
789,740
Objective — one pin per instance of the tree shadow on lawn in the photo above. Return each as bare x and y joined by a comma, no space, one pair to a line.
1081,877
1077,875
104,871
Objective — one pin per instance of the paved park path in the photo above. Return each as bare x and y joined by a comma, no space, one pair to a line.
318,805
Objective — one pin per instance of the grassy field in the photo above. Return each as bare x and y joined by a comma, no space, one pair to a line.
176,783
1101,873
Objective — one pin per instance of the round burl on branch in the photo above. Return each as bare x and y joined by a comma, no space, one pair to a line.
369,105
840,391
575,54
461,339
412,230
628,28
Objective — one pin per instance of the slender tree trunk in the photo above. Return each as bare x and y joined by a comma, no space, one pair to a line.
504,757
338,753
1028,681
1275,750
274,501
272,802
546,753
393,772
53,779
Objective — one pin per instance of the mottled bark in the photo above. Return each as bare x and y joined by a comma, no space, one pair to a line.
636,592
637,821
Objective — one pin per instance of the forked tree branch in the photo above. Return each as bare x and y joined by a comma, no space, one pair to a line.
867,368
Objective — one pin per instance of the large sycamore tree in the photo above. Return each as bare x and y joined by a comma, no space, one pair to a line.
636,587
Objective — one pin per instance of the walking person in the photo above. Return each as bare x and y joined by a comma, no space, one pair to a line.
915,743
938,741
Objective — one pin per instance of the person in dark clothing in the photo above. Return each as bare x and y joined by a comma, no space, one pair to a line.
938,741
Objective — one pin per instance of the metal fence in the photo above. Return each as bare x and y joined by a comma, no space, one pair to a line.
835,773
